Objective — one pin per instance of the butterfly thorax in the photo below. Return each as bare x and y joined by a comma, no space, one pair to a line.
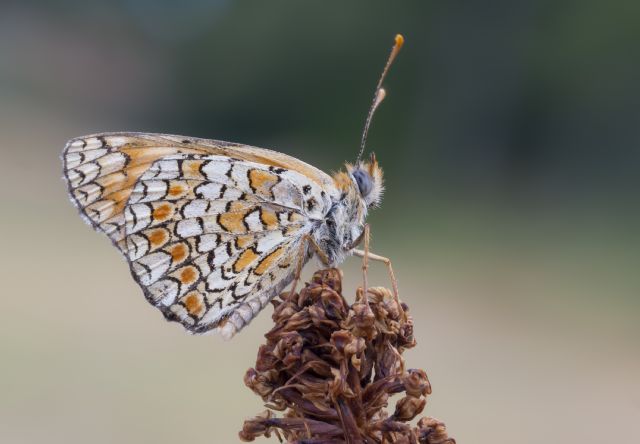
360,189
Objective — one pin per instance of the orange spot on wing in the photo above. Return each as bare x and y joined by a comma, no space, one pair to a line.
157,237
176,189
244,241
262,181
295,217
269,218
191,169
233,220
178,253
162,212
193,304
268,261
188,275
245,259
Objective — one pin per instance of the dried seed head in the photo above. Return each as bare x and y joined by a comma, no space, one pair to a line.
331,367
408,408
432,431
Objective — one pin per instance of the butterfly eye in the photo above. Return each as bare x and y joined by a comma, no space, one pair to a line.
364,181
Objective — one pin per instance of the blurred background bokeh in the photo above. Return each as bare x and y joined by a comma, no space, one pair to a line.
510,138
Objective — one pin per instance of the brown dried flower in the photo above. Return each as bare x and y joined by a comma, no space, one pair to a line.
332,367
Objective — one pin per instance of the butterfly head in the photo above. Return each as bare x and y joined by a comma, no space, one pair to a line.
361,189
368,180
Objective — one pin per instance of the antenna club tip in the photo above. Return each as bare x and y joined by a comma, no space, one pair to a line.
399,40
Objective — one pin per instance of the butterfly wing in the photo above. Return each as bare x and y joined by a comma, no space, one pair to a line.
212,239
102,169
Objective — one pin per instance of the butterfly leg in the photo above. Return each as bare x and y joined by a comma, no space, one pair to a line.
394,283
387,262
306,241
366,255
365,236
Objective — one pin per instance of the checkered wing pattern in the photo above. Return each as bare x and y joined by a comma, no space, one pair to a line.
101,170
209,238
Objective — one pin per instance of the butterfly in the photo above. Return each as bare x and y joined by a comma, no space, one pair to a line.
213,230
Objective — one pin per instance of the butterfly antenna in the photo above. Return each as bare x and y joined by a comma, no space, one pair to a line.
379,94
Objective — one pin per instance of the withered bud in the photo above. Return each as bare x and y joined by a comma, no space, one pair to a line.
432,431
408,408
256,426
361,321
416,383
260,383
288,348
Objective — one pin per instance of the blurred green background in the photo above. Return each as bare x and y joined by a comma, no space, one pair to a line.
510,139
